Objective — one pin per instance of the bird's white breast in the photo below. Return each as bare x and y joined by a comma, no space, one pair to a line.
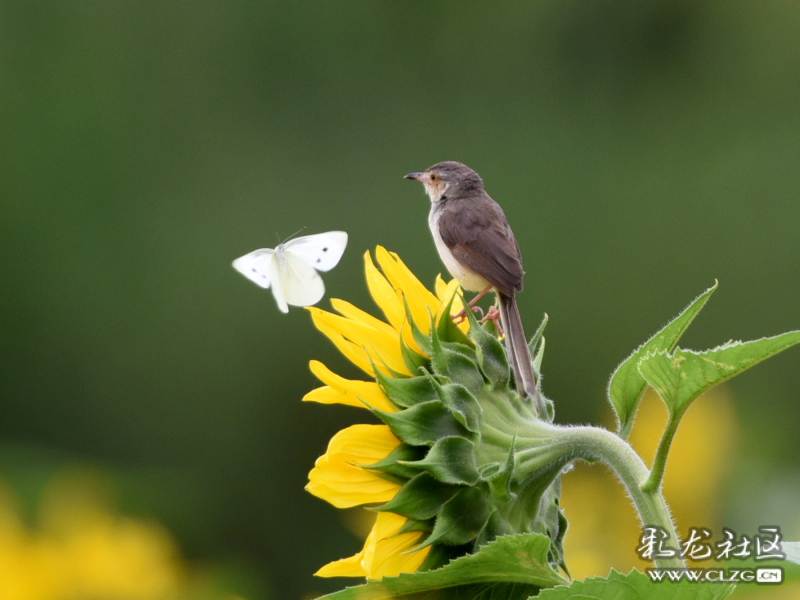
469,280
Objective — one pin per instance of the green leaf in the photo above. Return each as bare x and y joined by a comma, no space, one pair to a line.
491,356
627,386
450,460
423,424
407,392
478,591
682,376
636,586
420,499
510,568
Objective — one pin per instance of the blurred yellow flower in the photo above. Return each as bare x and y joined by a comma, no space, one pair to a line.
338,476
82,550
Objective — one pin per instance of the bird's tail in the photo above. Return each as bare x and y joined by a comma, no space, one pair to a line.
517,349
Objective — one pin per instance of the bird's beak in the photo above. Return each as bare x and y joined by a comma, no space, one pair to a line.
417,176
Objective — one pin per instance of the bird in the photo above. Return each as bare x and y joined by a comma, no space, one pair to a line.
476,244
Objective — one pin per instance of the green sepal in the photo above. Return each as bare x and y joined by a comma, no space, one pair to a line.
399,462
398,479
552,522
455,364
422,340
460,519
408,392
420,498
450,460
494,526
537,363
447,329
411,525
538,335
465,408
412,360
491,356
489,470
500,480
423,424
557,545
627,385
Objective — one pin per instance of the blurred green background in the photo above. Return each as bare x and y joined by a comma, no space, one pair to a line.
640,150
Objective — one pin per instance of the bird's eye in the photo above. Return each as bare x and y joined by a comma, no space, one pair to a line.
433,176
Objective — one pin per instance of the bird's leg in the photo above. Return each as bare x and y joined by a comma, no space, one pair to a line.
459,317
494,316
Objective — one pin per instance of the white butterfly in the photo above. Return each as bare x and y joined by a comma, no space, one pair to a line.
290,268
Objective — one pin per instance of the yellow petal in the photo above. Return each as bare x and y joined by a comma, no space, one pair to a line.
383,553
337,476
354,313
418,297
327,395
380,348
352,566
440,287
363,444
384,294
382,336
345,486
355,354
448,291
346,567
339,390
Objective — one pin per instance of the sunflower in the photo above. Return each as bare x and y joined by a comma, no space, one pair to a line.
378,348
460,457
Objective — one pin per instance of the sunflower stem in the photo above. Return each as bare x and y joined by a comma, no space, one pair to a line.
597,443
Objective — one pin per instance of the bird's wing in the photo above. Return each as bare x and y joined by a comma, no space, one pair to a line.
479,237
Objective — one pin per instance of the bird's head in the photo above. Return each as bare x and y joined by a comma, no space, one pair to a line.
448,178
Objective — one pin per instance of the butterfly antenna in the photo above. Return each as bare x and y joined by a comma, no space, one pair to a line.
294,234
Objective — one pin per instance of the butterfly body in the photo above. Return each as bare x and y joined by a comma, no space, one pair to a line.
291,268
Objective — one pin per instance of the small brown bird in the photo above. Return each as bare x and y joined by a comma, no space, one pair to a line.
479,249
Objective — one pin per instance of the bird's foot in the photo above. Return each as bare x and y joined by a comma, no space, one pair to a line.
459,317
494,316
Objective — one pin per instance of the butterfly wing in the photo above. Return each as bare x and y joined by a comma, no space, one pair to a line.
279,277
300,284
256,266
321,251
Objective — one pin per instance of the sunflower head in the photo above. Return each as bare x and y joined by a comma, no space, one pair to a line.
458,459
